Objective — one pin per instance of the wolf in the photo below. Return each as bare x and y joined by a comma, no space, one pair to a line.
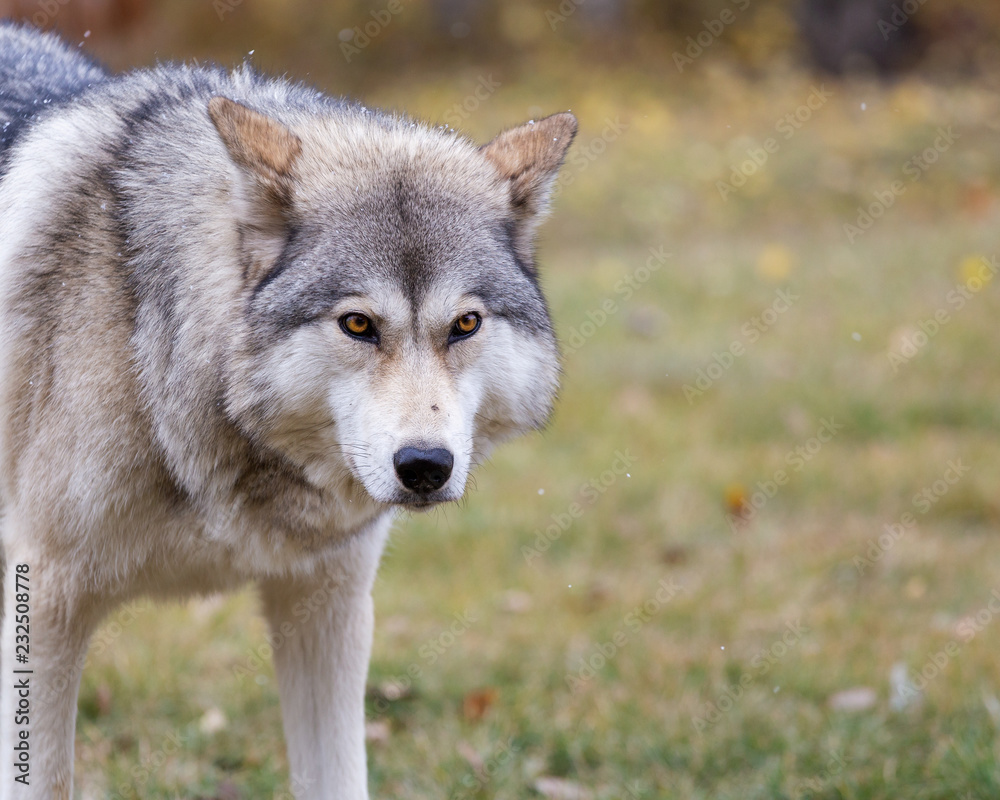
242,324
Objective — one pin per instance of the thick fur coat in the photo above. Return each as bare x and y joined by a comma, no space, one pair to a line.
240,324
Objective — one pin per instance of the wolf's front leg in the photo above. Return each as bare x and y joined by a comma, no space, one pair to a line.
322,634
47,624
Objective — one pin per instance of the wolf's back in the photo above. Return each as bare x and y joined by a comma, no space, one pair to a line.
37,70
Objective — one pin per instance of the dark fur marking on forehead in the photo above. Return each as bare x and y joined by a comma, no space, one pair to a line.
403,236
401,195
416,275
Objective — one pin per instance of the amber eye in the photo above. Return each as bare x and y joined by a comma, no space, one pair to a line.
465,325
358,326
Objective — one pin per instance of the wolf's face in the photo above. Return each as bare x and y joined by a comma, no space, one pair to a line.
396,328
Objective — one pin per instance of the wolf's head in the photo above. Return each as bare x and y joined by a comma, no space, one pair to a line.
396,329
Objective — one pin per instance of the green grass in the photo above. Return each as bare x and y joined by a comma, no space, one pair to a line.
629,730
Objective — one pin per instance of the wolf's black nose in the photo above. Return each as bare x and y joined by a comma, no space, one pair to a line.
423,471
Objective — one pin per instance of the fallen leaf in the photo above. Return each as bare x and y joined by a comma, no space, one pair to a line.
736,500
212,721
477,703
673,555
598,594
103,699
471,755
394,690
377,731
516,601
903,693
857,698
977,200
992,707
228,791
635,401
915,587
974,270
774,262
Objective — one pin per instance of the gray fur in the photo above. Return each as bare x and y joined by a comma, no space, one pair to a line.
37,72
181,409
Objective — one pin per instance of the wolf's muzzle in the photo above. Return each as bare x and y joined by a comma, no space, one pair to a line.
423,471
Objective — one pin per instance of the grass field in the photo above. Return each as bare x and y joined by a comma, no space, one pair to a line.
771,479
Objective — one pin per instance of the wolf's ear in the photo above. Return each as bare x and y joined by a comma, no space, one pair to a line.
264,150
528,158
255,141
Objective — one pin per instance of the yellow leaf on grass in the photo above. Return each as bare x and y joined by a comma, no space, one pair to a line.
975,271
736,499
774,262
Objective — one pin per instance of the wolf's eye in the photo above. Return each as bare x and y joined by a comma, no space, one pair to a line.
358,326
465,325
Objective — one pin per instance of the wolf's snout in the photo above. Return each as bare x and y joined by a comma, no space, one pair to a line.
423,471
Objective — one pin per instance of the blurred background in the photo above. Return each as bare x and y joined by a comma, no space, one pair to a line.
756,553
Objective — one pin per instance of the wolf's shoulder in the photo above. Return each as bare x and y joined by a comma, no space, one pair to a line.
180,86
37,70
40,74
38,58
